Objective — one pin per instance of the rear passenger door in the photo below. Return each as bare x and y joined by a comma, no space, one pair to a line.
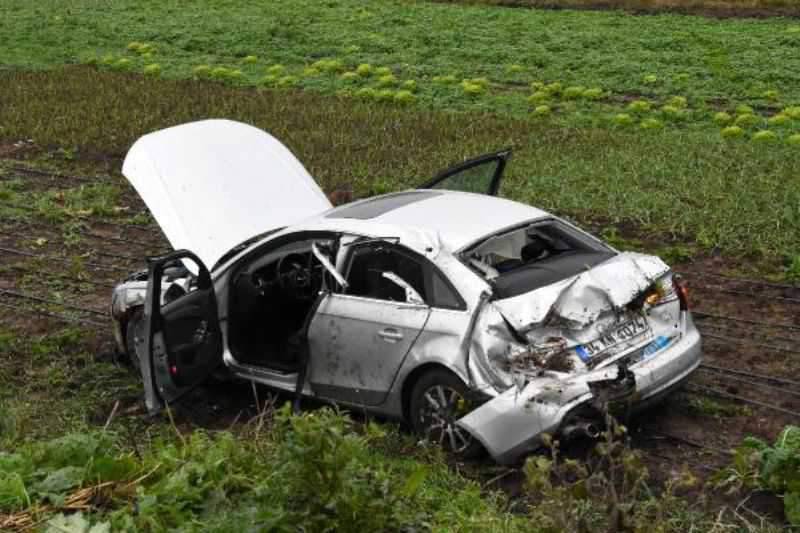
360,338
480,175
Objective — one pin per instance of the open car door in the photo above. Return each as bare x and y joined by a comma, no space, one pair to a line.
182,339
480,175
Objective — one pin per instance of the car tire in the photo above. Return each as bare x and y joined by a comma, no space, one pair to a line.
134,328
438,399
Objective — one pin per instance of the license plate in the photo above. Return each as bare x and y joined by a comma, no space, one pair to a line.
633,328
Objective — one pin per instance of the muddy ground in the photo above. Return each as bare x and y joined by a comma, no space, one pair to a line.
749,384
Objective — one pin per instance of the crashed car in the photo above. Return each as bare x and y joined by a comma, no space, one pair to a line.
482,322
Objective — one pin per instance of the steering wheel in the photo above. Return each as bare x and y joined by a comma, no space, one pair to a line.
294,276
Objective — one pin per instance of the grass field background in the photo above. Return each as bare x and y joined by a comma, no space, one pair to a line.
685,127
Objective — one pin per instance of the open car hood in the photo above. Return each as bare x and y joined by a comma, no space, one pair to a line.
213,184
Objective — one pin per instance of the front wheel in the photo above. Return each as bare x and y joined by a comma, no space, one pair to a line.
134,335
438,399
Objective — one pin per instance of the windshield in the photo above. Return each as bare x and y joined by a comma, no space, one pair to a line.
533,256
241,246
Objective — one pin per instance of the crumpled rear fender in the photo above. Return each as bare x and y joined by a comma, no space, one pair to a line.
512,423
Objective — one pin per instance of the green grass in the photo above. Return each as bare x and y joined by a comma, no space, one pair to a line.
714,8
672,185
714,64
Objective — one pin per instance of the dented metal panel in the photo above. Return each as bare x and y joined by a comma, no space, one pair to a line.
581,342
582,299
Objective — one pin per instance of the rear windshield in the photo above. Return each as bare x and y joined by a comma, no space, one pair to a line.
533,256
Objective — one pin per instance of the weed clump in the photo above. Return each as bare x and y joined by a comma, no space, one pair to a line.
384,95
651,124
732,132
539,97
202,71
367,93
364,70
765,136
404,97
250,60
792,112
122,64
287,81
779,120
573,93
639,106
328,65
474,87
387,80
722,118
276,70
622,119
771,94
312,472
409,85
595,93
542,111
678,101
757,465
794,139
746,120
553,88
447,79
152,70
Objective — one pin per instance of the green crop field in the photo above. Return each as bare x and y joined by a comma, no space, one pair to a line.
684,126
670,133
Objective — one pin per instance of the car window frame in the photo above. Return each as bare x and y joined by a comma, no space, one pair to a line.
429,269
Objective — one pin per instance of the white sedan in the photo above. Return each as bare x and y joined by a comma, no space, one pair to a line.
482,322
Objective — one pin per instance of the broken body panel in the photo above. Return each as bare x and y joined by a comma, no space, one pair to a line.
558,349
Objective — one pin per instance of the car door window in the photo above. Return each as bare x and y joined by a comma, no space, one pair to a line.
369,263
442,294
480,175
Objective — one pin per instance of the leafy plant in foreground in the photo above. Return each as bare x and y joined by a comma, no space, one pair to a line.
757,465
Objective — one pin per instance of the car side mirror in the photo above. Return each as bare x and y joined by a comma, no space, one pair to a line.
412,296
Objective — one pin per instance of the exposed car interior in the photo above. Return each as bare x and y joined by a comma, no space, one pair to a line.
533,256
271,298
273,294
388,272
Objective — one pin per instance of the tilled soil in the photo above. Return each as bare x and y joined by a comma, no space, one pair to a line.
749,383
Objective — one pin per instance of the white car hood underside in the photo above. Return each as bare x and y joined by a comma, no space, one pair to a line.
215,183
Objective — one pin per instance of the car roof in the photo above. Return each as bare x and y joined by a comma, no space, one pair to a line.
450,218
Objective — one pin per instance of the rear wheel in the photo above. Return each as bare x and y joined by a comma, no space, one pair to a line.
438,399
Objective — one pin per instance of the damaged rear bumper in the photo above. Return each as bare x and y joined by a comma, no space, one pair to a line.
512,423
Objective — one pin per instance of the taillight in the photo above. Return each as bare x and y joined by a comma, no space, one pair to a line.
682,290
663,291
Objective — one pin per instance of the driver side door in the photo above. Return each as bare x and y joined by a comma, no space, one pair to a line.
182,340
360,338
480,175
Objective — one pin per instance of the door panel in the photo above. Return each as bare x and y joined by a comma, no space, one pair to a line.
182,339
480,175
358,344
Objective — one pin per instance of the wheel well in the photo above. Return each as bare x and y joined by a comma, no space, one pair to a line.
411,380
